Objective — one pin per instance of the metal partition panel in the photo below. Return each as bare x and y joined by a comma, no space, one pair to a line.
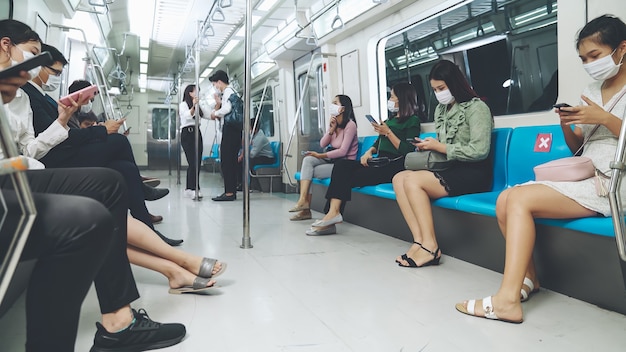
11,252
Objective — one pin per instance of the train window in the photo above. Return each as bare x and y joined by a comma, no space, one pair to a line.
507,49
266,114
160,121
6,9
312,112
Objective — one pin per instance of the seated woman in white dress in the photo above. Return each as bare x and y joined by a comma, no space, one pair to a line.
601,46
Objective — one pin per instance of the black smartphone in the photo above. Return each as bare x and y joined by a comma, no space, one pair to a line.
43,59
561,105
413,140
371,119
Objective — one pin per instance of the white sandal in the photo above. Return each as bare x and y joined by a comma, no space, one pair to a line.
488,308
525,295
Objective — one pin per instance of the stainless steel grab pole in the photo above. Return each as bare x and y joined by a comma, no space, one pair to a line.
617,211
246,241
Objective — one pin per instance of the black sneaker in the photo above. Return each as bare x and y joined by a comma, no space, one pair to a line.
142,335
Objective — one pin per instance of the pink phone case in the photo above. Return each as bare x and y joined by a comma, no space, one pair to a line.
89,91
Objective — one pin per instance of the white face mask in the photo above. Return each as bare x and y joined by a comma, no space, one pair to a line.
334,109
603,68
27,55
86,108
444,97
53,83
391,106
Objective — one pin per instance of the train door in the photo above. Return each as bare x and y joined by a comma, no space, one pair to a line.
161,138
310,91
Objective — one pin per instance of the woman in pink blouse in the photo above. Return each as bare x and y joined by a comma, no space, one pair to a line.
341,137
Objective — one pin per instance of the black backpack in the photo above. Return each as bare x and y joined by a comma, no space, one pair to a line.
234,118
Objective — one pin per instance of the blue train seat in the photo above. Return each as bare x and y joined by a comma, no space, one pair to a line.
269,170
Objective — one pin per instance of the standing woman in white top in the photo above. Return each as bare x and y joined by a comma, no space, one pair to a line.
187,112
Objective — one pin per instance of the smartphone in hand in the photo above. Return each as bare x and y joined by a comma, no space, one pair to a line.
371,119
413,140
42,59
561,105
86,92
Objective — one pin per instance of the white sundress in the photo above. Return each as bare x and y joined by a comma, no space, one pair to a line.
601,150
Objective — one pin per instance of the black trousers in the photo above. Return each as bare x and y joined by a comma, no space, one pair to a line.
79,237
188,142
229,148
350,173
115,153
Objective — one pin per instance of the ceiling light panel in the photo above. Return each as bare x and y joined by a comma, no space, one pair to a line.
167,16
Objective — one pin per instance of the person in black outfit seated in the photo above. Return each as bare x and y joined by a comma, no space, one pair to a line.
80,242
261,153
231,136
85,118
88,147
391,143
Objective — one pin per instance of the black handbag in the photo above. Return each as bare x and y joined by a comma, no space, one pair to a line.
426,160
381,161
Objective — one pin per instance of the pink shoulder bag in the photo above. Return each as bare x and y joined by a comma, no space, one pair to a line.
575,168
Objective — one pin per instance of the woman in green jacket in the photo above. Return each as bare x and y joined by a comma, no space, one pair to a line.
463,124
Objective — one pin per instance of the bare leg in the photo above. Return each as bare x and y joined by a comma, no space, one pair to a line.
142,237
176,275
305,197
333,210
405,207
521,206
418,188
501,214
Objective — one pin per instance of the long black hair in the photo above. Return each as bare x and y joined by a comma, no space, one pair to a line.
348,110
407,100
606,29
450,73
187,95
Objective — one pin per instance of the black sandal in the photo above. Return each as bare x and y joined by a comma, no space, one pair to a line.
434,261
404,256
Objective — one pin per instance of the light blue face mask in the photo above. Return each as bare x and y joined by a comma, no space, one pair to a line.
391,106
603,68
53,83
27,55
334,109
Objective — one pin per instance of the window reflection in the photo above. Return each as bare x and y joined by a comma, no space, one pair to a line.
507,50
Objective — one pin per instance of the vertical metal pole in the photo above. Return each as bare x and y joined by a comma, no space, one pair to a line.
197,117
245,241
169,135
178,145
617,168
